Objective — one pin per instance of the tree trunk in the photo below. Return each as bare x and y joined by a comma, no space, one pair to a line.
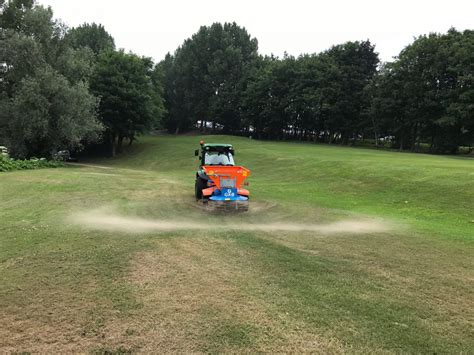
344,138
414,136
376,133
176,131
119,144
113,144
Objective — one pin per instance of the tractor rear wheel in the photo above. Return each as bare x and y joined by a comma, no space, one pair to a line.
200,185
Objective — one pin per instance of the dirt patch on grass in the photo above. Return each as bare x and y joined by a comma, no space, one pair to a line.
90,166
106,220
193,302
98,174
63,325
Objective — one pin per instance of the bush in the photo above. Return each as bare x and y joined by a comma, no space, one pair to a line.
8,164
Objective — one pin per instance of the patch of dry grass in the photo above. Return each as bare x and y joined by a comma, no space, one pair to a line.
193,301
54,321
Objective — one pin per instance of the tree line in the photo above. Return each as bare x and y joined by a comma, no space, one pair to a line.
424,99
66,89
70,88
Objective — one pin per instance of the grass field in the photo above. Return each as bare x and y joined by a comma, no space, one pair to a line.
113,256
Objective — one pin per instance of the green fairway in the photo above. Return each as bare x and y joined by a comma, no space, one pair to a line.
344,249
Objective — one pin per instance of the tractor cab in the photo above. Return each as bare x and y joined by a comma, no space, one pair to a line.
216,154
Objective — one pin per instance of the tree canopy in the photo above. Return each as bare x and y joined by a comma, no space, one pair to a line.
206,75
92,36
64,88
126,85
427,94
342,95
47,103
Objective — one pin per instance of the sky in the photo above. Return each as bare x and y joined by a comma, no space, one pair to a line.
154,28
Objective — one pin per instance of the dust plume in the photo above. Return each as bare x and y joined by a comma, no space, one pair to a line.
108,221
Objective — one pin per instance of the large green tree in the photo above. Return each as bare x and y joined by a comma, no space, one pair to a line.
48,114
318,97
124,83
45,105
204,79
356,63
427,94
233,52
176,117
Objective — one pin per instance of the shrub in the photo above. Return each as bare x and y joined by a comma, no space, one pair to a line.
8,164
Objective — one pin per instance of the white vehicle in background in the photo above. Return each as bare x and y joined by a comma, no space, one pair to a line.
4,151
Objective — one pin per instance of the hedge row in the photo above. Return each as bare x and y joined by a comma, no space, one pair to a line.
8,164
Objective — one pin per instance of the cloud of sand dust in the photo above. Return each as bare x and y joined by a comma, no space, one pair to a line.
100,220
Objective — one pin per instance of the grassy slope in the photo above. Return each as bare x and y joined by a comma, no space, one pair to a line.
434,192
64,287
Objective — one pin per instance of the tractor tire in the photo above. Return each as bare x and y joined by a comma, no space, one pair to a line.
200,185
